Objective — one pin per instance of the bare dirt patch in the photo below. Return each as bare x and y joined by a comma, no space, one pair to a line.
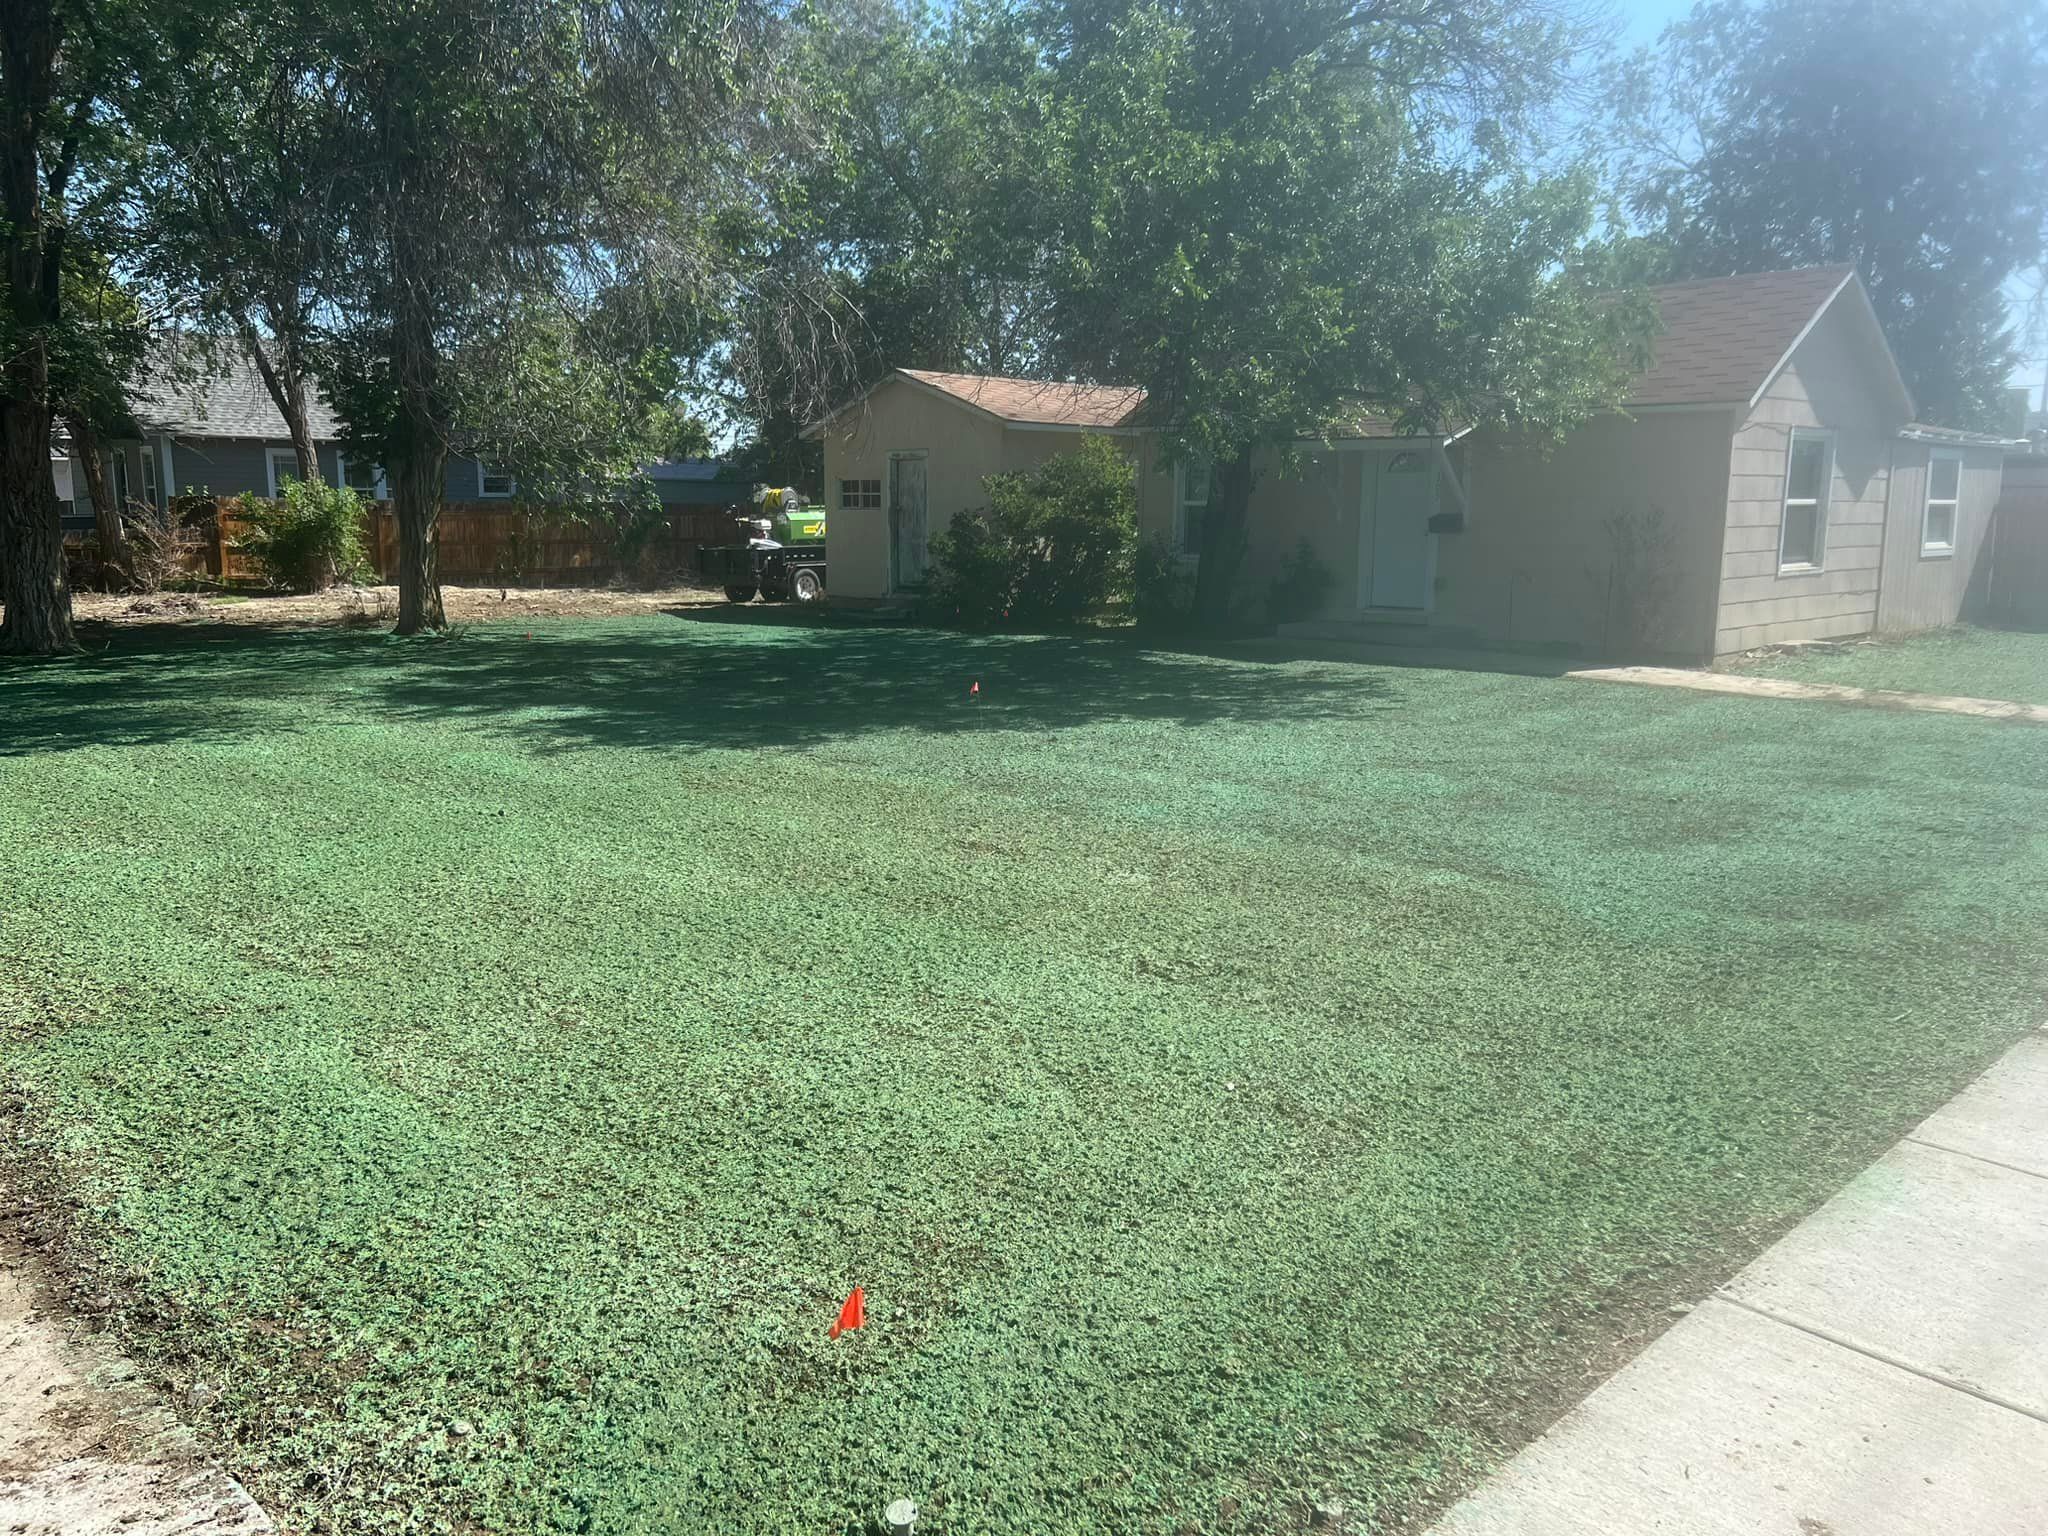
377,607
85,1445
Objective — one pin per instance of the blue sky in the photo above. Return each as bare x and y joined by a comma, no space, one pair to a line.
1645,18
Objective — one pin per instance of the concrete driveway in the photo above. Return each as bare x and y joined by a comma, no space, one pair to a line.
1882,1371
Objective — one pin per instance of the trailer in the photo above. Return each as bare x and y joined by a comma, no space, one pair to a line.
780,556
792,573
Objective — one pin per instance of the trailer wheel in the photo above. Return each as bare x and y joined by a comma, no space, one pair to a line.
805,587
739,594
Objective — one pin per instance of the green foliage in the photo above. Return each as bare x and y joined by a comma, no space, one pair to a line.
308,538
1272,223
1177,1043
1054,546
1301,587
914,231
973,575
1163,595
1902,137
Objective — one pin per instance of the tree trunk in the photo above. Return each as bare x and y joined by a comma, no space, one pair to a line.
284,375
1225,538
87,460
416,504
35,602
419,464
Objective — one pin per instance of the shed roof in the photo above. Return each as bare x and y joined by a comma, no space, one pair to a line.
1036,402
1725,338
198,390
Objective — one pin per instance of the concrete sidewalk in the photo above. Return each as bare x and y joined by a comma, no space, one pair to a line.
1834,693
1882,1371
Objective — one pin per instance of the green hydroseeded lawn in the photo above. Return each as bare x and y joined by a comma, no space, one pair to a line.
1234,1082
1977,663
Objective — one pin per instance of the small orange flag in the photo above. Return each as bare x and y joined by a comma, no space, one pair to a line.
853,1315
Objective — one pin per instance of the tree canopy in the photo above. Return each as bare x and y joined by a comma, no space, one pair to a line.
1903,137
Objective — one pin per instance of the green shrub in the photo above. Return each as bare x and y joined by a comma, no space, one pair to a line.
1164,596
1300,588
1055,544
308,539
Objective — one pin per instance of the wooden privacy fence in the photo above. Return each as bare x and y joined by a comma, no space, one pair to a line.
480,544
2018,588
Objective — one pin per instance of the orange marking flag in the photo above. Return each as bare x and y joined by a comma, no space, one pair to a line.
853,1315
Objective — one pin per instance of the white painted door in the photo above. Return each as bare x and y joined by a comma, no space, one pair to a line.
906,520
1397,553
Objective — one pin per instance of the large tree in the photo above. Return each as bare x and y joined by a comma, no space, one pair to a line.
1904,137
910,230
234,212
1276,216
503,167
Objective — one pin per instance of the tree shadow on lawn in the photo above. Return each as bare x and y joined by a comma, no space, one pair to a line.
686,681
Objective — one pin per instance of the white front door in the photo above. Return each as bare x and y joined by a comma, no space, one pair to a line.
1394,555
906,520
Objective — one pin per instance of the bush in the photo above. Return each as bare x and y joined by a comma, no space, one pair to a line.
1055,544
1164,599
158,539
1301,587
308,539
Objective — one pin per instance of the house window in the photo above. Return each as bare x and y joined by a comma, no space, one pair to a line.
149,476
362,477
860,495
117,476
1802,538
1192,484
284,465
494,484
1944,491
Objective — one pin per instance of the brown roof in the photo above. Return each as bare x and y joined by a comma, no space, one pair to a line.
1723,336
1037,402
1722,339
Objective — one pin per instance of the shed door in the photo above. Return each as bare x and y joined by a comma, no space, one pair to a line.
1399,577
906,520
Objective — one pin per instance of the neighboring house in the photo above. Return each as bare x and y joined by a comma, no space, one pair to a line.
1764,483
209,427
698,483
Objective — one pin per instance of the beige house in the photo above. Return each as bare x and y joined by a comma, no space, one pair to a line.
1763,483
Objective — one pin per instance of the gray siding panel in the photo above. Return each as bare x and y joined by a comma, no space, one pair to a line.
1923,591
1827,385
216,466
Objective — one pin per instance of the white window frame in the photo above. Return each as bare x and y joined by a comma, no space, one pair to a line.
1820,503
1930,547
272,458
117,476
378,491
149,477
484,478
863,504
1182,501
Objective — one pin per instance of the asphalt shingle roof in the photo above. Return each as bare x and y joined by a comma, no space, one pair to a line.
196,391
1723,335
1038,402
